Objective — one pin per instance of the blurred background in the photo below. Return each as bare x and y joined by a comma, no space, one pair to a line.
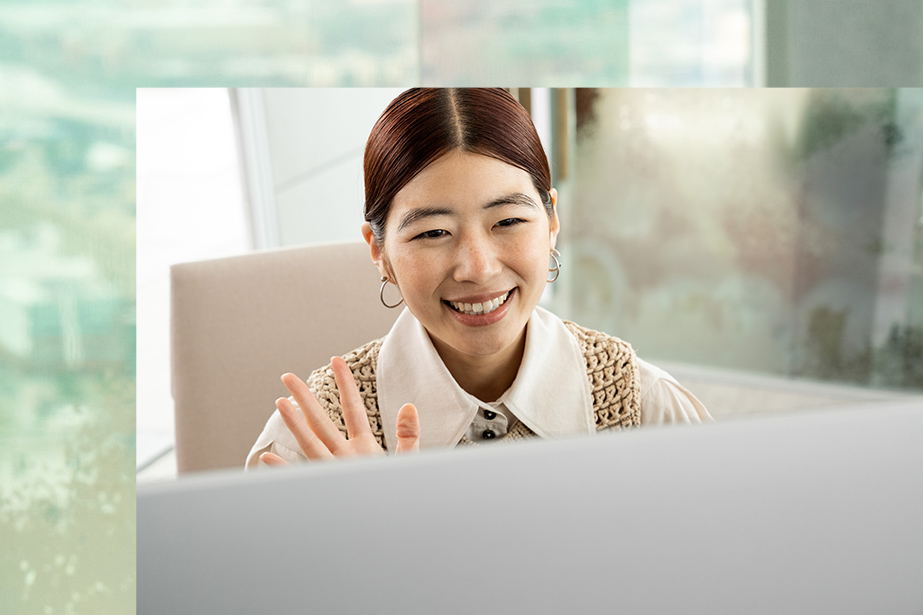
775,233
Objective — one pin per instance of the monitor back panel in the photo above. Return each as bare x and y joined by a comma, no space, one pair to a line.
816,513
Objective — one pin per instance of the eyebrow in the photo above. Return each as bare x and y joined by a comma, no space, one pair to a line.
515,198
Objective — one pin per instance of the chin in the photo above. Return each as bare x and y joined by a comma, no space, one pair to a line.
475,341
484,345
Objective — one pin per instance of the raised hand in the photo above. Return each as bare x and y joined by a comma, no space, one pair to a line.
319,438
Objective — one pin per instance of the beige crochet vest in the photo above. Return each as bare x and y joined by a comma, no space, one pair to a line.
611,368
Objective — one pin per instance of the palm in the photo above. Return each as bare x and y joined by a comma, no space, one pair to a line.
357,446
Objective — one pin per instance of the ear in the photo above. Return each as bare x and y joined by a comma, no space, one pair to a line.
555,225
375,250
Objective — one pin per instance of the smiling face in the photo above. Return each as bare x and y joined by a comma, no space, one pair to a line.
467,241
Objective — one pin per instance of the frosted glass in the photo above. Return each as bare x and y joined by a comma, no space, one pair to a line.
69,70
773,231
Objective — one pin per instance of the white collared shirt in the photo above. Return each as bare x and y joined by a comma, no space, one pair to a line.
551,393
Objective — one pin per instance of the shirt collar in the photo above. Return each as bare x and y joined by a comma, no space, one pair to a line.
551,393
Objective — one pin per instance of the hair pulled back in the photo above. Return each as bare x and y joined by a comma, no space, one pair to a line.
423,124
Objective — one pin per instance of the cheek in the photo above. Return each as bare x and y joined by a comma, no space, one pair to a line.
416,275
536,258
397,259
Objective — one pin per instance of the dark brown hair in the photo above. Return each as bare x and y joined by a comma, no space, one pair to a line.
423,124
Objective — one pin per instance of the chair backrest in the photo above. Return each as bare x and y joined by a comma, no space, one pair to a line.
239,323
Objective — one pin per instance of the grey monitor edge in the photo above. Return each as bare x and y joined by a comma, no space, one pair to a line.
820,512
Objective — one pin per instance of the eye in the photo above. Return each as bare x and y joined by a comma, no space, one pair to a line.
510,222
432,234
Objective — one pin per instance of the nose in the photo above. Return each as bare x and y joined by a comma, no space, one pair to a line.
476,259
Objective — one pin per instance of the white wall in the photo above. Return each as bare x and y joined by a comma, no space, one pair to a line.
314,142
190,207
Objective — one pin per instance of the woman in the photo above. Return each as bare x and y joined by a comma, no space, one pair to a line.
461,218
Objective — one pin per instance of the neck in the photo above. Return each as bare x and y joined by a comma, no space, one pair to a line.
485,377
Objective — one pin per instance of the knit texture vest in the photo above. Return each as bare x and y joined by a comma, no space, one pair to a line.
611,365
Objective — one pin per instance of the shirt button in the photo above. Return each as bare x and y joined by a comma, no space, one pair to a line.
488,434
490,415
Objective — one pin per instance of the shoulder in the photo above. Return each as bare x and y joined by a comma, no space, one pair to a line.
664,400
653,377
612,370
598,345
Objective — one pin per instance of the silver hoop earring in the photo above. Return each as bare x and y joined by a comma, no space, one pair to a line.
556,270
381,294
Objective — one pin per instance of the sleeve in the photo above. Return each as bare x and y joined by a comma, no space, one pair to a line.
665,401
275,438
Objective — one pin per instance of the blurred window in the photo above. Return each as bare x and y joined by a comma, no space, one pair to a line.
67,323
770,231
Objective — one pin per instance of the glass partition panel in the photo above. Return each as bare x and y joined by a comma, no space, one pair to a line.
679,43
67,348
608,42
529,42
770,231
69,69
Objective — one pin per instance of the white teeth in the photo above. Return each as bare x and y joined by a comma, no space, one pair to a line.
480,308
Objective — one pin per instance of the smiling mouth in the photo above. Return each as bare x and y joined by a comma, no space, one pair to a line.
473,309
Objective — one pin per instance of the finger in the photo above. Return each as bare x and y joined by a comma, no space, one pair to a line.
354,414
314,414
408,429
271,459
296,422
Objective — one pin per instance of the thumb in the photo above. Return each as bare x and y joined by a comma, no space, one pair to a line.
408,429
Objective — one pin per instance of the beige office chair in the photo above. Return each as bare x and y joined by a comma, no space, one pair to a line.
239,323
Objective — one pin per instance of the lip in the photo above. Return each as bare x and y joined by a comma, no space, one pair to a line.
479,298
482,320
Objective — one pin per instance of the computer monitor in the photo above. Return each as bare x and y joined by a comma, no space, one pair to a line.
820,512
